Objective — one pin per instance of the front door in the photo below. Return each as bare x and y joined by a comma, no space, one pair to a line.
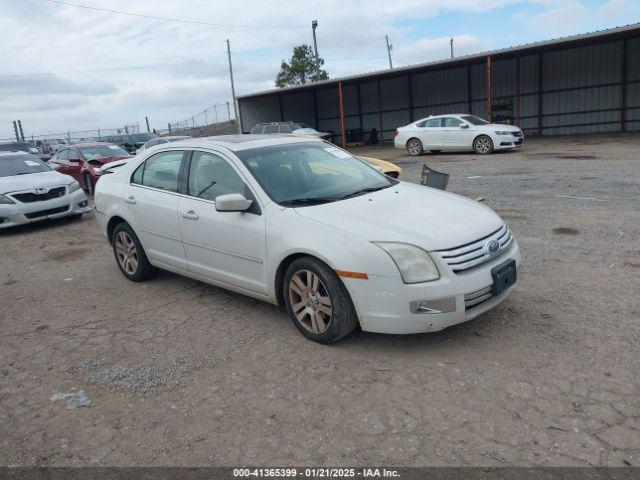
453,135
228,247
430,134
152,207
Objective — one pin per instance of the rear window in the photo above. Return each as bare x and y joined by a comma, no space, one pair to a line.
102,151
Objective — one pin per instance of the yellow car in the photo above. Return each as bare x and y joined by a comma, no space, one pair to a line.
385,167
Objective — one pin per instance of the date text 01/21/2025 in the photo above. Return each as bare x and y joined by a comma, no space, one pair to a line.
315,473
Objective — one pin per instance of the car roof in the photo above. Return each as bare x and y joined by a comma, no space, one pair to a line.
244,142
91,144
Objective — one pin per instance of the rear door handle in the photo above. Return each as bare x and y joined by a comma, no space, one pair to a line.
130,200
191,215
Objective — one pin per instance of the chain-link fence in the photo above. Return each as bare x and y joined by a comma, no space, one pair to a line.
97,134
216,114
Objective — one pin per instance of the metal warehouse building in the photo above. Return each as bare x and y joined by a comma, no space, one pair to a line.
581,84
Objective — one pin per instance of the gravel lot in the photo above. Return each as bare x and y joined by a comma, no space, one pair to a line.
181,373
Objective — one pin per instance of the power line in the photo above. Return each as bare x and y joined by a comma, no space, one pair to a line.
167,19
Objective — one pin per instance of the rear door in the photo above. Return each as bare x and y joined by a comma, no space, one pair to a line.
228,247
152,207
74,164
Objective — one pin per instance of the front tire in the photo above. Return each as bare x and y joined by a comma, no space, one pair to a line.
89,186
130,256
414,147
483,145
317,301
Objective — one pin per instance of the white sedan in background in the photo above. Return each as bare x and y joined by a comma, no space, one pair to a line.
457,132
301,223
31,191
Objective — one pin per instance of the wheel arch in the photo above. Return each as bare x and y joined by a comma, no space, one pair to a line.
282,268
413,137
113,223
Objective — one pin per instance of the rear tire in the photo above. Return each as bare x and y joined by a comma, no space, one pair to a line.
317,301
414,147
483,145
129,254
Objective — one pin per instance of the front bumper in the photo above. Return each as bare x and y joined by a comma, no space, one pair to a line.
506,142
22,213
385,304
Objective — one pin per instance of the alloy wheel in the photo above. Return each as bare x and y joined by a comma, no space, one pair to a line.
414,147
126,252
483,145
310,301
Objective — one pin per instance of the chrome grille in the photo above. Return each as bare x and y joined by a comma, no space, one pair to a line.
30,197
472,254
476,298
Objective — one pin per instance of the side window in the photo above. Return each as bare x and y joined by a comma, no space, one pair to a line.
161,171
272,128
452,122
211,176
137,175
64,154
284,128
434,122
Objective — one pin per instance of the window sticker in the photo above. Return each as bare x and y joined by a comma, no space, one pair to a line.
337,152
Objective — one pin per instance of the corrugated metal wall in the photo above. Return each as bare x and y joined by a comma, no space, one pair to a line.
565,91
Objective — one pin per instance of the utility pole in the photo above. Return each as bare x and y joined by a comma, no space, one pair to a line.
314,25
233,88
21,131
15,129
215,110
147,120
228,112
389,48
451,45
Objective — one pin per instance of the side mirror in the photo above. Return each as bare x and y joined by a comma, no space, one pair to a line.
233,202
464,125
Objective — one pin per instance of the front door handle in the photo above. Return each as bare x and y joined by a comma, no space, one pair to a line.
130,200
191,215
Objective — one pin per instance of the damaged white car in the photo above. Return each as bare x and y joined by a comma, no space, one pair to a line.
31,191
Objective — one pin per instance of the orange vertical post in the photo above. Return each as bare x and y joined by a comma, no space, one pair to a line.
342,131
489,90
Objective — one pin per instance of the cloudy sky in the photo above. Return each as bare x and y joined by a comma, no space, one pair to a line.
70,68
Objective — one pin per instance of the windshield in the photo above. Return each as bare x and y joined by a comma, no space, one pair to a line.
12,147
141,137
472,119
297,126
21,165
309,173
103,151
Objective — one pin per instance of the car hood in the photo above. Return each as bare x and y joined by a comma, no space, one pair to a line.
409,213
500,127
19,183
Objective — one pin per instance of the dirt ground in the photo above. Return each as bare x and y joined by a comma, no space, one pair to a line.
181,373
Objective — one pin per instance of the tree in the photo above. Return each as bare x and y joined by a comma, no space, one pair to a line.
301,69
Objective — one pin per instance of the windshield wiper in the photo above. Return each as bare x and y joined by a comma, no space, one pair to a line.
362,191
295,202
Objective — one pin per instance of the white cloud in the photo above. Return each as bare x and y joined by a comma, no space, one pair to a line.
90,51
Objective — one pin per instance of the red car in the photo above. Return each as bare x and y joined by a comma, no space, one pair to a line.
81,161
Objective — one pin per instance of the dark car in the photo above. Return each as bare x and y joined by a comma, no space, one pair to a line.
130,141
81,161
23,147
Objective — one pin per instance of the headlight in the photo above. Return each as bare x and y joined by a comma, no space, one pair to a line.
6,200
501,132
73,186
415,265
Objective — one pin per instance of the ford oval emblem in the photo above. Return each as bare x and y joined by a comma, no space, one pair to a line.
493,246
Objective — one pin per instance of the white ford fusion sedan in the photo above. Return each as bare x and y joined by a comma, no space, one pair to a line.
301,223
31,191
457,132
